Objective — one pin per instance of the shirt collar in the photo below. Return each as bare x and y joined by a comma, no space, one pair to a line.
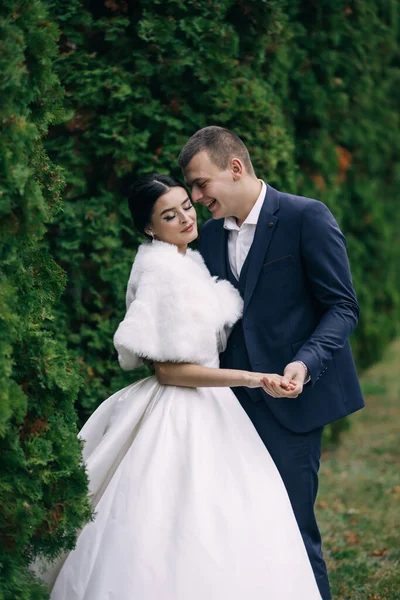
253,216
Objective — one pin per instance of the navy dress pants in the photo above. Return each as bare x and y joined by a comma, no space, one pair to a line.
297,457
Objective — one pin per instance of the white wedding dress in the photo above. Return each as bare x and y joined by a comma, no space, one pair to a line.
189,504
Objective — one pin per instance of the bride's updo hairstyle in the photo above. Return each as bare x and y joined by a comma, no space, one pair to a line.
143,196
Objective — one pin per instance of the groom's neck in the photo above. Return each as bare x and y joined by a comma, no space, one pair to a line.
251,193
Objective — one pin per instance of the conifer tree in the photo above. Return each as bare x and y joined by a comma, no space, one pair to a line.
43,485
312,90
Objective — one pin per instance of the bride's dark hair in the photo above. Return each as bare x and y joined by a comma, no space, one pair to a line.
143,195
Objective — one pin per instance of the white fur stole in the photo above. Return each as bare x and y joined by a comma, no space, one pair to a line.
175,308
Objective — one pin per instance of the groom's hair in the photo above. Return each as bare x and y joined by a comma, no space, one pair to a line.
221,145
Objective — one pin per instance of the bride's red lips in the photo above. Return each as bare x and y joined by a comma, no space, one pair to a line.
188,228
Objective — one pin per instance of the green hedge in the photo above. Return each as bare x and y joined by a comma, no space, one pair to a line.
43,486
311,89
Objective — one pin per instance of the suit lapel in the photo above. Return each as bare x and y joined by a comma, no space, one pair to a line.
266,226
222,255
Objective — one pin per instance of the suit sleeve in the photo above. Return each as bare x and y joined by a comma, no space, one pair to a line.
323,249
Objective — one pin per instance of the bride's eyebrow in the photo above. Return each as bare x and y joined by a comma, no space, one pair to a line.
169,209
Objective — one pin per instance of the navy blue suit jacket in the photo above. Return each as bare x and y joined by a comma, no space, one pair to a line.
299,304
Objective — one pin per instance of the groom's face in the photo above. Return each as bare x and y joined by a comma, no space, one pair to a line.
210,186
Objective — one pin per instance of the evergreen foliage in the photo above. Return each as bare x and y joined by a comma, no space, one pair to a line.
43,485
311,88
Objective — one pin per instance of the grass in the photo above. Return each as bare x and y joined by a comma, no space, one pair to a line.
358,504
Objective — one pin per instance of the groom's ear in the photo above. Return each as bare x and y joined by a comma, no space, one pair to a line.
237,168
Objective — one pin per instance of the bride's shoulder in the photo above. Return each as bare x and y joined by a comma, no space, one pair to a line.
197,258
161,262
152,256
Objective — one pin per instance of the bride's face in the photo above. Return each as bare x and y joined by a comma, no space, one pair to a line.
174,218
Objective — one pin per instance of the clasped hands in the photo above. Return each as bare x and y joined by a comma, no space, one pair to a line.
288,385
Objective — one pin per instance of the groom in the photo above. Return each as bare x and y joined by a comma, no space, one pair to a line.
287,257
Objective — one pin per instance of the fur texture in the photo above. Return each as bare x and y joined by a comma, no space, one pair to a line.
175,308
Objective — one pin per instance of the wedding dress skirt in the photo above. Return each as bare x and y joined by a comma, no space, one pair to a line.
189,505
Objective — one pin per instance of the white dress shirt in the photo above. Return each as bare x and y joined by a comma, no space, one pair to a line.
241,238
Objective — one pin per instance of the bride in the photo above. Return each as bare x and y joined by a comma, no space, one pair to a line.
189,504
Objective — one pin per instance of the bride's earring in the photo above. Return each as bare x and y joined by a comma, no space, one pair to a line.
152,235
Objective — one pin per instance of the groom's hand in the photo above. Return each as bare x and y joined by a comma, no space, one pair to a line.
271,384
290,385
294,371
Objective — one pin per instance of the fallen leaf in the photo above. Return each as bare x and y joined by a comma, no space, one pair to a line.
351,537
381,552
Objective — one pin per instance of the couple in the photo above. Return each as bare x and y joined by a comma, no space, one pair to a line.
194,498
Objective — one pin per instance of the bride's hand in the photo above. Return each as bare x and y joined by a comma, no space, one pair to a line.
271,384
255,380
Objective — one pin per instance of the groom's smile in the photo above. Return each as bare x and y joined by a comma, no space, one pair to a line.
210,186
211,205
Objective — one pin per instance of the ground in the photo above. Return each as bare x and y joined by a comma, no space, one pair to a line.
358,505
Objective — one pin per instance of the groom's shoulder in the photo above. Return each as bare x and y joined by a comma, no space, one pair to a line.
295,201
295,205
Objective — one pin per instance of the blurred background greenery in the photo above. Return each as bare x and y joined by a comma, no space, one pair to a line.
93,94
